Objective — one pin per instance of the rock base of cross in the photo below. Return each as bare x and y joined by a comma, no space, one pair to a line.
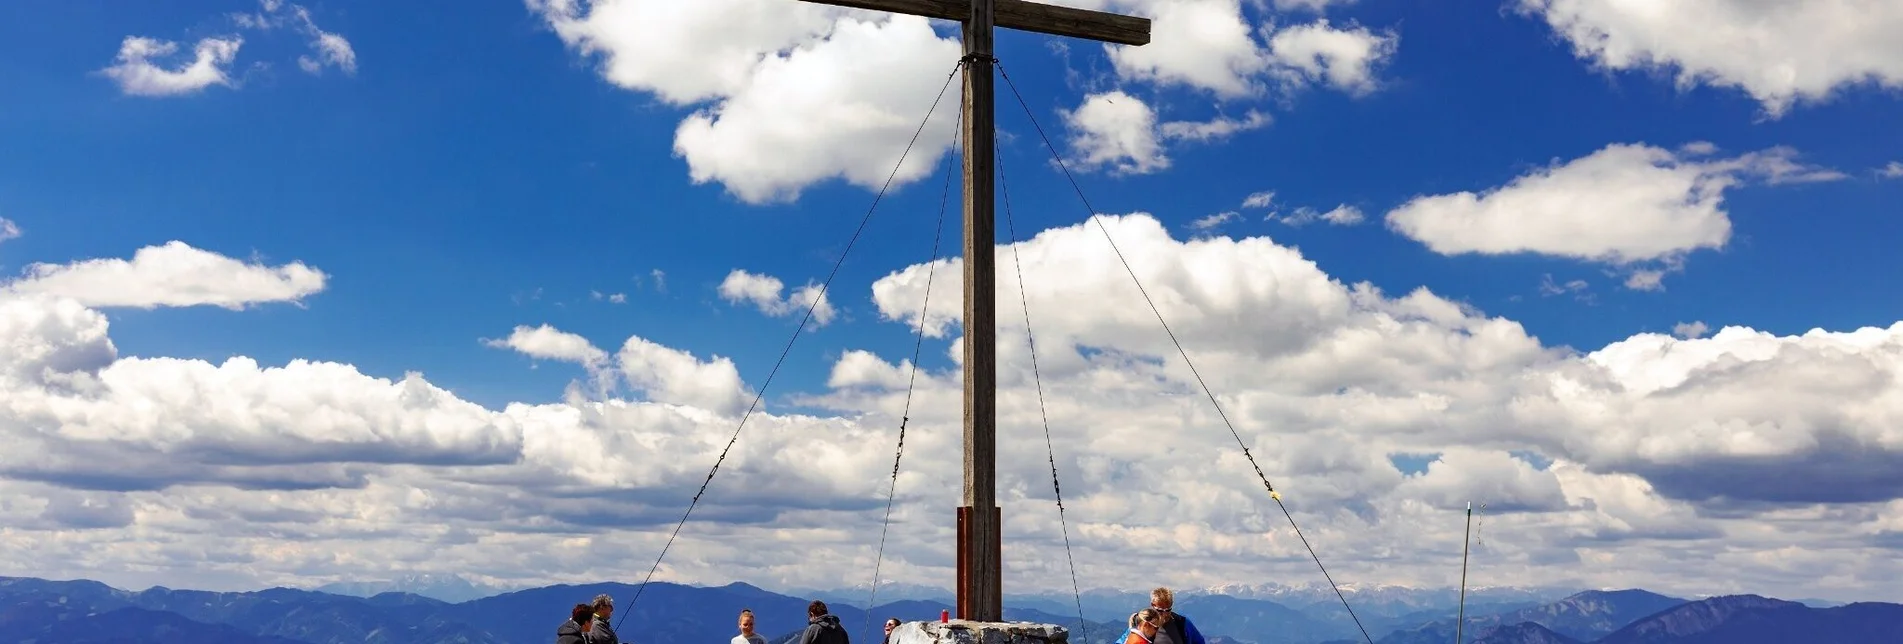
960,631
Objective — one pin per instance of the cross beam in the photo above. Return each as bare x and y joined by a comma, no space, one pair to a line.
980,536
1023,16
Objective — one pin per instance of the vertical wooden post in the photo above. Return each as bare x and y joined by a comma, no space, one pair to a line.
980,527
981,594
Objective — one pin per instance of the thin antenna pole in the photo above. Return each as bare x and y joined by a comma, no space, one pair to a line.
1460,623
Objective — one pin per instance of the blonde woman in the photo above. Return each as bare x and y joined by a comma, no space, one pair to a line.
1143,625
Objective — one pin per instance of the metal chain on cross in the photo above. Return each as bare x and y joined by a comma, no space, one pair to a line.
1092,213
819,297
979,542
1480,542
1030,339
905,415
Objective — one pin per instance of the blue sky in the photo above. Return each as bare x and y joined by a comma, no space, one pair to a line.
479,164
472,170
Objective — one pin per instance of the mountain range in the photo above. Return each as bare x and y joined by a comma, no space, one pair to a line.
39,611
449,588
1583,617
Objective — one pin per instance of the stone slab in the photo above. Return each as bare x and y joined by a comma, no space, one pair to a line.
959,631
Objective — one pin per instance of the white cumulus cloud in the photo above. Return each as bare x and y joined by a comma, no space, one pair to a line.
153,67
1505,482
668,375
1117,131
1214,221
1777,52
684,52
548,343
81,416
1342,215
1665,463
1345,59
845,108
785,95
1120,132
1623,204
332,50
763,292
173,274
1206,44
790,93
1211,45
1310,5
141,70
1690,330
1215,129
1646,279
327,48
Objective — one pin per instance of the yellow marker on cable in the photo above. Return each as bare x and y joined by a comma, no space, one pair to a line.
1275,495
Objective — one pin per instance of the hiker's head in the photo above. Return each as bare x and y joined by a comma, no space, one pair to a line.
891,623
746,621
581,613
815,609
1146,621
1162,598
1164,602
604,606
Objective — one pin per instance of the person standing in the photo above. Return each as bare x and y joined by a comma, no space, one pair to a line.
1173,627
891,624
575,630
822,628
602,630
747,636
1143,627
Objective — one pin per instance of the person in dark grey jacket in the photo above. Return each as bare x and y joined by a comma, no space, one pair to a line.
572,631
822,628
602,630
1176,627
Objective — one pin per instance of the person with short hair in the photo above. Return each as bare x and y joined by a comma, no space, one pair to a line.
1172,627
575,630
747,636
602,630
822,628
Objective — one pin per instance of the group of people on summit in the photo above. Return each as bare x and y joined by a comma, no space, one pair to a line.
592,623
1161,624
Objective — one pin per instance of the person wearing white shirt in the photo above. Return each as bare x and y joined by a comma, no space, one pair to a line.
747,636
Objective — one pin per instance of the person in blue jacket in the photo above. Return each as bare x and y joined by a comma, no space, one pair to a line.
1176,628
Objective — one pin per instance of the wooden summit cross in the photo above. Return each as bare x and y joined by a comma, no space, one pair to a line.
980,542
